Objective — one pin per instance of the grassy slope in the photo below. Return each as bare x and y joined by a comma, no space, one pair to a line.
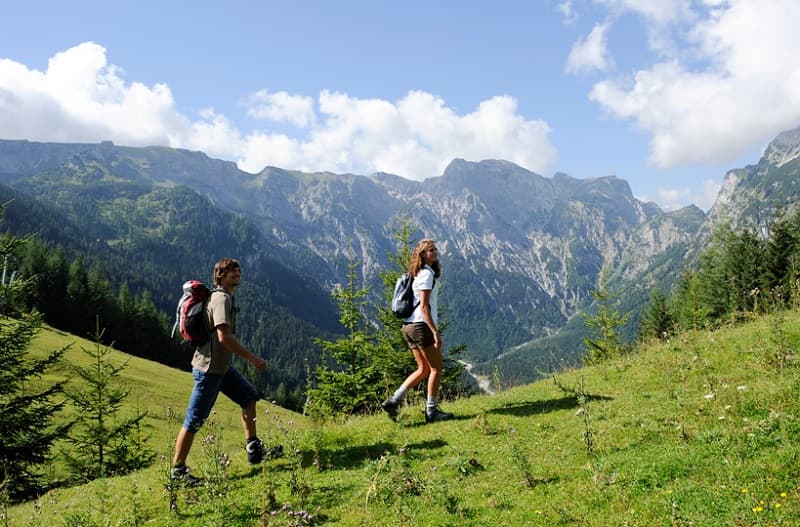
700,431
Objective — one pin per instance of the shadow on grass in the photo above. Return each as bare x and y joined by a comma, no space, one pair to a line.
421,421
525,409
347,457
357,455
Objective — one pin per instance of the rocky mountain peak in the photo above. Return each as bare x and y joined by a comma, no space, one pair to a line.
784,148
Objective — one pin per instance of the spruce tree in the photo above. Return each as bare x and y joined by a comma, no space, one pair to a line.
743,267
28,412
604,342
391,356
657,320
779,262
345,381
103,443
691,310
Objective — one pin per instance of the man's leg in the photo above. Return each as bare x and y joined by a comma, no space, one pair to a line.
182,446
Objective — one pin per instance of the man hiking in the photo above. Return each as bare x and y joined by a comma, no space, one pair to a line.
213,373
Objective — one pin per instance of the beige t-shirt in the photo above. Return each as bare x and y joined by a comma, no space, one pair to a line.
212,357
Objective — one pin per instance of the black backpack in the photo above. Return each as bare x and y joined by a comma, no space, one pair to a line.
403,298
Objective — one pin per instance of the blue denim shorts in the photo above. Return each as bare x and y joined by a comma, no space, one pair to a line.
206,388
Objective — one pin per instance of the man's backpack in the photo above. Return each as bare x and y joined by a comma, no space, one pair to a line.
190,317
403,298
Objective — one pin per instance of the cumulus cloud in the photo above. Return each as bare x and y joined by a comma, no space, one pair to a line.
676,198
414,137
80,97
589,53
282,107
743,93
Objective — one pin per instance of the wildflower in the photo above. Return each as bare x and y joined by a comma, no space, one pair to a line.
758,509
778,505
783,494
709,396
744,491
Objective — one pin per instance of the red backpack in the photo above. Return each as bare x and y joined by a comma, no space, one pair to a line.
190,317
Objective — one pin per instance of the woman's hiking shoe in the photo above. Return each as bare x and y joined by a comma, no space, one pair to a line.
391,408
256,451
274,452
435,414
181,475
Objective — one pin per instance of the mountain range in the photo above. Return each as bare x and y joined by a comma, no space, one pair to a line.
520,252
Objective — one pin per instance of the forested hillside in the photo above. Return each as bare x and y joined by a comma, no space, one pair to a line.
123,253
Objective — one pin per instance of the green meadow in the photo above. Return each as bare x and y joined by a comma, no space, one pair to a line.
702,430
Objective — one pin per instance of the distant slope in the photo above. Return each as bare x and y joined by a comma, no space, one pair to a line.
521,252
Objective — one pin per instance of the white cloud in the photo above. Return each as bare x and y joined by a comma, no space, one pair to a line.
568,12
676,198
657,12
282,107
82,98
748,92
416,137
589,53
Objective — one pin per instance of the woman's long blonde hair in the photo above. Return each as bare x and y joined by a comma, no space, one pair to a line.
417,263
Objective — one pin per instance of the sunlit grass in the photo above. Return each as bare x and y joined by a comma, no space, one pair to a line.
702,430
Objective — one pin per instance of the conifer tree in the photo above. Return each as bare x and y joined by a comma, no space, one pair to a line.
657,320
103,443
710,283
689,310
391,356
743,267
604,342
346,377
28,427
779,261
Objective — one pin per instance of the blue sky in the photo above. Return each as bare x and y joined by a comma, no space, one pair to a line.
666,94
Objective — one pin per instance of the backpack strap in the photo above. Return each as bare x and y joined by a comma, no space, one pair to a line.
218,289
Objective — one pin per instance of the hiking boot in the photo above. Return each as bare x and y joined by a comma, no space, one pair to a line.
255,451
181,475
391,408
436,414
